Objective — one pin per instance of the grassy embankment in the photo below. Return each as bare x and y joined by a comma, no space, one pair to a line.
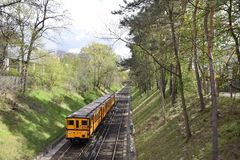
159,140
38,120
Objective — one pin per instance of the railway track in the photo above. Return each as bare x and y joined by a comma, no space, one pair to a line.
112,145
109,141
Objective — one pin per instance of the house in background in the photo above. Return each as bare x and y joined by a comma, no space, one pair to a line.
13,61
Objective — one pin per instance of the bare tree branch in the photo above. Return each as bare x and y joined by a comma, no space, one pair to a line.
9,4
117,37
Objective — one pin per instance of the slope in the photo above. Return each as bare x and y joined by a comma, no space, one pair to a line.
159,139
30,123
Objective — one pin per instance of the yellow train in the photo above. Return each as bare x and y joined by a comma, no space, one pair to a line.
82,123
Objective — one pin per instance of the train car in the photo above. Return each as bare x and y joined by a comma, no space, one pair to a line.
82,123
108,101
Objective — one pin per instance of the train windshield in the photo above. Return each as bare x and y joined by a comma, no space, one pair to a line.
70,122
84,122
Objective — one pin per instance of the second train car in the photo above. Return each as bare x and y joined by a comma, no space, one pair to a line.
81,124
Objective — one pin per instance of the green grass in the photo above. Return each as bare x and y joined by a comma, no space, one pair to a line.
115,87
156,139
90,96
38,120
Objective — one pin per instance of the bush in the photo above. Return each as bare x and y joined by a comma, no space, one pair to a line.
90,96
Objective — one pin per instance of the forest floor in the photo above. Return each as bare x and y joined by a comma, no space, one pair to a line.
161,139
30,123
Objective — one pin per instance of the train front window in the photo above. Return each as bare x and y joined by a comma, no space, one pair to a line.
84,122
70,122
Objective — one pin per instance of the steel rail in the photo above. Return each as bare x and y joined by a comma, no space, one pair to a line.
88,150
116,141
104,133
62,154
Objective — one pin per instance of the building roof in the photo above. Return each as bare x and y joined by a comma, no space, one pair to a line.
13,53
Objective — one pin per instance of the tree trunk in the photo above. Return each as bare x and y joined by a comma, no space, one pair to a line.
204,79
204,84
22,55
171,79
209,32
25,76
190,63
163,110
157,83
163,82
3,57
231,92
22,67
26,63
94,75
174,85
194,44
232,31
181,85
98,81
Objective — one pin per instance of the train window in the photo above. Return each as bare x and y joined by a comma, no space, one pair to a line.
84,122
70,122
77,123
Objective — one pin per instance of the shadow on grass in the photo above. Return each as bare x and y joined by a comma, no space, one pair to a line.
166,138
39,121
168,142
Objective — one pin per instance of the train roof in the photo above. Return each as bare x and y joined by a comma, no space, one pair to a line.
103,98
88,110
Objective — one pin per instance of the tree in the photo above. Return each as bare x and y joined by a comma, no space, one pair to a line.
8,29
101,64
215,33
48,72
176,53
162,15
209,32
195,56
34,20
233,15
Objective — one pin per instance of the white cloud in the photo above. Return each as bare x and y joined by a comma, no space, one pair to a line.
89,21
90,15
123,51
74,50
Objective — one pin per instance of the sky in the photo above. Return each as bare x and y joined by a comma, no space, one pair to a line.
90,20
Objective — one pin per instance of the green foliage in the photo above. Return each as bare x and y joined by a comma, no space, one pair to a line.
100,64
168,137
150,34
153,27
90,96
189,79
59,86
48,73
115,87
94,67
13,72
38,120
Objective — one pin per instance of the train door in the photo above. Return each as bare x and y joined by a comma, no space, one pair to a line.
91,125
102,111
77,124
